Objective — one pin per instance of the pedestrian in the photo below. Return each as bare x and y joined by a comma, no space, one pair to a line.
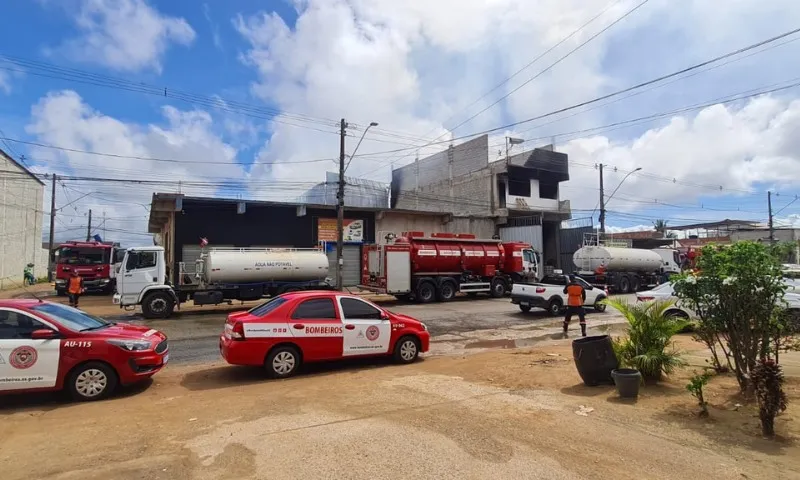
576,297
75,289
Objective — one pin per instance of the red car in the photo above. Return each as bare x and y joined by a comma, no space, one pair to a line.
48,346
314,326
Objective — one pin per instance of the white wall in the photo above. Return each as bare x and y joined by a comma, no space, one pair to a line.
21,199
533,202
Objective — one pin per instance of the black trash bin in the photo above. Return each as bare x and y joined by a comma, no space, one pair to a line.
594,358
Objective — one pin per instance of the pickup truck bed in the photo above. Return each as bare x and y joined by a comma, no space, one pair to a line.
549,295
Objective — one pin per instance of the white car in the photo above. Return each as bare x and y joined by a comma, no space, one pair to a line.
549,294
666,291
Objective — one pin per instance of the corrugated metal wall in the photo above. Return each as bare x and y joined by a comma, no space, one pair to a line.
531,234
571,240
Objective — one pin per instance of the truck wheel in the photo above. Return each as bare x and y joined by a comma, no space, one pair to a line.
497,288
554,307
525,308
624,284
91,381
635,283
426,292
158,305
447,291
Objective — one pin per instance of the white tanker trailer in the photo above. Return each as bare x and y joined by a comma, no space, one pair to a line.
219,276
625,270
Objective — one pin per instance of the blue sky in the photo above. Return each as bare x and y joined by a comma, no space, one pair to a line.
413,67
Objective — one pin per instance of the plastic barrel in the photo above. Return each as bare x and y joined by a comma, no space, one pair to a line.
594,358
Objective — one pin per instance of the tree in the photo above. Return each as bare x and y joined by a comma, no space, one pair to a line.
661,227
738,301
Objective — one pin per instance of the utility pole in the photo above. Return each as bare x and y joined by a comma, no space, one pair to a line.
340,209
52,228
89,227
602,204
771,226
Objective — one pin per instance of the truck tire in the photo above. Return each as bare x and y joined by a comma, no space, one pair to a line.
624,284
426,292
158,305
497,288
447,291
525,308
555,306
636,282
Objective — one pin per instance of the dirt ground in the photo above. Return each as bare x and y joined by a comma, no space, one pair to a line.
515,413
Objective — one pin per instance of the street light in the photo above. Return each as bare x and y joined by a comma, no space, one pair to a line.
371,124
603,200
510,141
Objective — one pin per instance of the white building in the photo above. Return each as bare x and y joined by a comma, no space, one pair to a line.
21,198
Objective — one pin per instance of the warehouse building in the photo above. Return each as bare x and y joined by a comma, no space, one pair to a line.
21,209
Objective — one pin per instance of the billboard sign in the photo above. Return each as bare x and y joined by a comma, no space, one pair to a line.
353,230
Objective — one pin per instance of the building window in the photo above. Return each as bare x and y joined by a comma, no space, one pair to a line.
519,188
548,190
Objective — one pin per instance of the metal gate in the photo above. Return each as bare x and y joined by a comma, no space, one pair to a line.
351,268
571,237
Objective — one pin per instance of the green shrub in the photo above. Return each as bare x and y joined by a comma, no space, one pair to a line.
648,346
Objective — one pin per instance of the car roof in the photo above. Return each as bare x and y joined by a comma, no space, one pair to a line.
19,302
316,293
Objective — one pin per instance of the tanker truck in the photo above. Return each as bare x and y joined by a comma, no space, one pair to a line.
435,268
625,270
219,276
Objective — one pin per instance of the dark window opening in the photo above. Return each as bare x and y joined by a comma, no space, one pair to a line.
315,309
356,309
548,190
501,192
519,188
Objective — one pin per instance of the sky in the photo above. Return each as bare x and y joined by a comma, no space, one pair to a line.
243,99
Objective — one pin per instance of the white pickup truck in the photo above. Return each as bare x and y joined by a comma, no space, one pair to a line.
549,294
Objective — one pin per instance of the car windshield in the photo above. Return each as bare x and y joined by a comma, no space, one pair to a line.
83,256
71,318
266,307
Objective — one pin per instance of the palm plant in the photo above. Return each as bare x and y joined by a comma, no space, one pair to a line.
648,346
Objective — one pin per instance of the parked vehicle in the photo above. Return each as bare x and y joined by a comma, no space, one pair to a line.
315,326
549,294
437,267
219,276
94,262
625,270
48,346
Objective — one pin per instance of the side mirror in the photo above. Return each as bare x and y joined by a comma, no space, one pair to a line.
384,315
43,334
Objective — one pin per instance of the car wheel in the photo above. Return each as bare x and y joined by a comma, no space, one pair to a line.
91,381
599,306
158,305
525,308
447,291
497,288
282,362
426,292
554,307
677,314
406,350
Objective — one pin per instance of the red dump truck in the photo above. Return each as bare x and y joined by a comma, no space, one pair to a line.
436,267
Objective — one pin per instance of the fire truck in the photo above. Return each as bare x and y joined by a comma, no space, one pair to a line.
94,261
431,268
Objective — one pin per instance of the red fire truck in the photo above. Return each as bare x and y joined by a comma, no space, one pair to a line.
94,261
437,267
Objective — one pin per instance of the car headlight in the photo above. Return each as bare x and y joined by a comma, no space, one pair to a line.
424,327
131,345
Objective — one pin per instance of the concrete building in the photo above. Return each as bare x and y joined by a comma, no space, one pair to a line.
517,198
21,210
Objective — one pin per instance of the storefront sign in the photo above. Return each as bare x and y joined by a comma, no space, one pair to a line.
353,230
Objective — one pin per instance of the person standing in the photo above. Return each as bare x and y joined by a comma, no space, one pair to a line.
576,297
75,289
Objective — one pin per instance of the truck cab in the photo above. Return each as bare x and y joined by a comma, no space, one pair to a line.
531,265
92,260
142,279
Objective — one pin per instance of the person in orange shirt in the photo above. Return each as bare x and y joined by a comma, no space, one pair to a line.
74,289
576,297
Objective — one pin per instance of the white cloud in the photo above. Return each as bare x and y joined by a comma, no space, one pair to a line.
5,82
125,35
64,119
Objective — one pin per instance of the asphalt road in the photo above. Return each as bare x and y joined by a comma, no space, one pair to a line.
194,337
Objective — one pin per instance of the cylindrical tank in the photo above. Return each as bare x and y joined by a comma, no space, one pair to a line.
252,266
589,258
446,255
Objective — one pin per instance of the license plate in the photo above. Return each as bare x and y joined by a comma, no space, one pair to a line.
166,359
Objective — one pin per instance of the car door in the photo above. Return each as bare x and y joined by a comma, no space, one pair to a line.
591,292
317,329
367,330
26,363
141,270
